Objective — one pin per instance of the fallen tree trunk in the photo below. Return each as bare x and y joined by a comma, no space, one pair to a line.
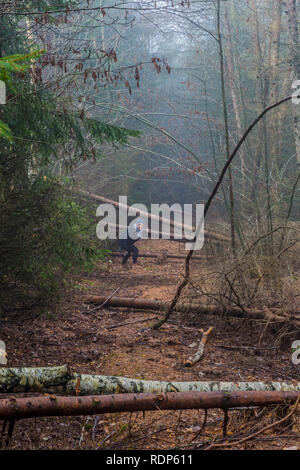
208,233
168,256
61,380
159,235
19,408
149,304
33,379
186,237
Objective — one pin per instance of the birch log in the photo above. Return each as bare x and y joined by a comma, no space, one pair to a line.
60,380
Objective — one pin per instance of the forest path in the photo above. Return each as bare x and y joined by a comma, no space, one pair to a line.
97,343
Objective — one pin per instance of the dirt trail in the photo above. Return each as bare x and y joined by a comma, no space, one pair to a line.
85,342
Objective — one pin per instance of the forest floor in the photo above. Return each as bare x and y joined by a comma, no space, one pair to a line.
89,344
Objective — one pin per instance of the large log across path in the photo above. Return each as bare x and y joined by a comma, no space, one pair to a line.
116,254
19,408
148,304
158,235
201,309
60,380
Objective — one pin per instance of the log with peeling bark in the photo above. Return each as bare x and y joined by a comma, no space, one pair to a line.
200,351
19,408
60,379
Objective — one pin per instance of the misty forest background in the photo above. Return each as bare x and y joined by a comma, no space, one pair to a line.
147,99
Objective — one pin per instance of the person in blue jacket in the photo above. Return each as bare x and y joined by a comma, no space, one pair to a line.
128,239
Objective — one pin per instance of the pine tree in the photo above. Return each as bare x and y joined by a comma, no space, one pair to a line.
43,232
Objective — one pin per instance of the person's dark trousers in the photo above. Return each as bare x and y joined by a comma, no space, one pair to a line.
135,253
131,250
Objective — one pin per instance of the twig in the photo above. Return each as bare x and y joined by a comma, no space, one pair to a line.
276,372
99,306
83,429
94,427
203,425
106,438
3,431
230,444
148,435
225,422
10,431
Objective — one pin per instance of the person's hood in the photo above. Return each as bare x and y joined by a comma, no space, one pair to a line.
137,223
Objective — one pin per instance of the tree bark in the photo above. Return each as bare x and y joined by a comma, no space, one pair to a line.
234,94
60,380
28,379
294,65
226,128
148,304
274,77
20,408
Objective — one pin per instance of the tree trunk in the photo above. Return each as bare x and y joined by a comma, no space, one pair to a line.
20,408
148,304
294,65
274,78
234,95
225,115
209,233
60,380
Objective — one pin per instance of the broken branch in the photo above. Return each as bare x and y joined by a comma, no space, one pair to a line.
200,351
